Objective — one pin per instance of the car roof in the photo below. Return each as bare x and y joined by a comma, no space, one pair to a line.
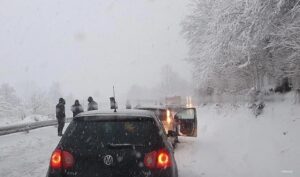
150,107
128,113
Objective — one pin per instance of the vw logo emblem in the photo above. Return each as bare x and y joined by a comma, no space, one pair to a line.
108,160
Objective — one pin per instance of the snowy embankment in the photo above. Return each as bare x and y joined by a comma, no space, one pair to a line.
7,121
231,142
234,143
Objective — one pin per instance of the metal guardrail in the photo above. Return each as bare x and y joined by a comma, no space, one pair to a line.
28,126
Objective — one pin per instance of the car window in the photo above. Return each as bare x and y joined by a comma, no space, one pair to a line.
186,114
98,134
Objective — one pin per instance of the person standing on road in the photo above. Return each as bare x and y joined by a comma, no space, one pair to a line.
92,104
76,108
60,115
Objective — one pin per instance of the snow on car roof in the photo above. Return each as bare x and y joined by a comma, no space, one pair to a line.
119,113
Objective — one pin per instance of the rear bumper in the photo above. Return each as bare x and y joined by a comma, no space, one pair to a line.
171,172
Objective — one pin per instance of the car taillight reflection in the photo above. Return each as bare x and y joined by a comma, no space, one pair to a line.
61,159
189,103
158,159
169,116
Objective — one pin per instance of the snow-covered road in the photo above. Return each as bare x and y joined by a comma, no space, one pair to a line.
27,154
230,143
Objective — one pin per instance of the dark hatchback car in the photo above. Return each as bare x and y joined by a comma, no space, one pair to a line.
114,144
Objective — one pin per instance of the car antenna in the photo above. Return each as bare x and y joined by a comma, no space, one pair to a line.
113,103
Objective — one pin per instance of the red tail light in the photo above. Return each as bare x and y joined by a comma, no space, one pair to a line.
55,161
67,160
61,159
158,159
150,159
163,159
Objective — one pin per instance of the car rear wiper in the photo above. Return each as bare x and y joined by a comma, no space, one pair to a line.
124,146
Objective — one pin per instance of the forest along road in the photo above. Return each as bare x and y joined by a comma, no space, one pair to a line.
230,143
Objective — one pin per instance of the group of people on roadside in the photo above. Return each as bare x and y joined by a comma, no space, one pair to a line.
76,109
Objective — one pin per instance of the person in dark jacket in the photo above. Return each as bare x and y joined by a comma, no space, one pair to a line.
76,108
60,115
92,104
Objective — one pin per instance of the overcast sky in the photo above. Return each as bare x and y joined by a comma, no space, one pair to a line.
88,46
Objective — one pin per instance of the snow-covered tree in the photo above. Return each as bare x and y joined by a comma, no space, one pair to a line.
171,83
54,92
8,93
237,44
10,104
39,104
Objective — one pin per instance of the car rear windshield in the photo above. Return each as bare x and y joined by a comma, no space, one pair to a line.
91,134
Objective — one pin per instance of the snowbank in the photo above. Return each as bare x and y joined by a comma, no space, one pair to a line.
232,142
6,121
35,118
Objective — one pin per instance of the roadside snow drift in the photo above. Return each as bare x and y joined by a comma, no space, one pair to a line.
234,143
7,121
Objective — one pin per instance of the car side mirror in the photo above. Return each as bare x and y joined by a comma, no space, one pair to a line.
171,133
